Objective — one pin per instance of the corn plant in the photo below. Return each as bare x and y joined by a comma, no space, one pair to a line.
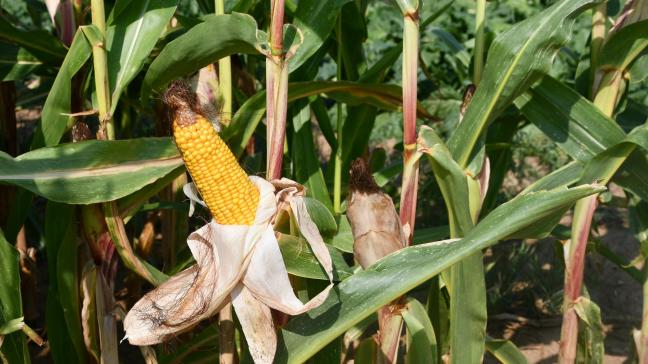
204,180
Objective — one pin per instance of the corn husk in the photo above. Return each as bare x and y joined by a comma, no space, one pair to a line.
241,264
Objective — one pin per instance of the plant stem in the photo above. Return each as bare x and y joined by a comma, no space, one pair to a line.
337,178
478,65
118,235
226,330
609,90
224,77
276,27
574,266
643,343
575,249
598,37
107,329
410,167
100,61
276,93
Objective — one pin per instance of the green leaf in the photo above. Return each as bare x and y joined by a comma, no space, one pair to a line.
321,216
516,59
133,29
203,348
249,115
590,335
505,351
365,292
315,19
54,120
217,37
425,235
561,177
21,205
131,204
16,63
91,171
62,312
421,342
93,35
40,43
300,260
305,162
323,120
580,129
604,165
466,283
366,352
388,173
624,46
458,50
14,347
638,72
343,240
451,180
567,118
12,326
354,34
407,6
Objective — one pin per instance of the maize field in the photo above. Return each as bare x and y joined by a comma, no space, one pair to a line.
313,181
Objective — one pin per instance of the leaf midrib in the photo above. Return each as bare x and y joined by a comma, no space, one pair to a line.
463,158
127,167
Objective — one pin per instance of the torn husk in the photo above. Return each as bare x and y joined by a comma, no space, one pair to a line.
375,224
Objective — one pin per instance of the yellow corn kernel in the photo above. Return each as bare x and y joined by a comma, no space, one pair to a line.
229,194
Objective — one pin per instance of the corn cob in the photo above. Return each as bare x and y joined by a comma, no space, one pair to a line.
226,189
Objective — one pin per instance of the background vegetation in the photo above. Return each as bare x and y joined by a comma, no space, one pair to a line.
560,110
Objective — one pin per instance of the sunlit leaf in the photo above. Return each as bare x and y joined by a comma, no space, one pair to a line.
91,171
217,37
366,291
133,29
516,59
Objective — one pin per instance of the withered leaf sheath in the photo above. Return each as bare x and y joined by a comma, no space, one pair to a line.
229,194
375,224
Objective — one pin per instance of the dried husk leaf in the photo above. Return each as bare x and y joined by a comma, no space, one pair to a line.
375,224
107,324
256,321
194,294
267,278
89,311
241,263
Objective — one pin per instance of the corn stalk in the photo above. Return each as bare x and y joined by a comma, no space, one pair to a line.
480,26
337,173
226,327
224,78
605,98
100,61
411,168
598,37
389,317
643,337
276,92
106,325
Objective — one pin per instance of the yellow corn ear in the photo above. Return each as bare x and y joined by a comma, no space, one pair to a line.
229,194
